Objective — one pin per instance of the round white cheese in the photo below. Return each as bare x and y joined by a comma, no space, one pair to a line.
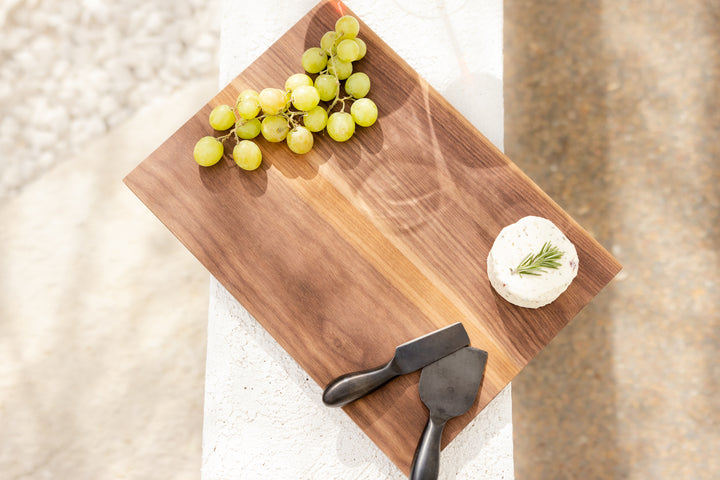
527,237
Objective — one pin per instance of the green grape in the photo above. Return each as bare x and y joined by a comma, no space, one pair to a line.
248,93
248,107
300,140
297,80
348,50
248,129
340,69
208,151
315,119
362,48
305,98
222,117
272,101
274,128
340,126
364,112
247,155
314,60
327,42
357,85
347,27
327,86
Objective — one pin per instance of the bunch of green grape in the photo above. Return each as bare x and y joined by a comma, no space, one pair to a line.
304,107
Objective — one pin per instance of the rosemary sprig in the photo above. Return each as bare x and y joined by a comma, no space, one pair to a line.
535,264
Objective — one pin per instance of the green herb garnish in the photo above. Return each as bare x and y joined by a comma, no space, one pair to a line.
535,264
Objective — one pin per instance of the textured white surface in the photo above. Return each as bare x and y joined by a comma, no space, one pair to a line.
263,414
102,353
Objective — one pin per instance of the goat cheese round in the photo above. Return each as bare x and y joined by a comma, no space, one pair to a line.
514,243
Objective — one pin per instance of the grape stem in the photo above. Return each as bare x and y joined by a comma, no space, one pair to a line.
341,100
337,94
290,116
226,136
349,97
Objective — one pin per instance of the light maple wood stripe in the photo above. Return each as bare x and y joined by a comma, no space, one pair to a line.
420,285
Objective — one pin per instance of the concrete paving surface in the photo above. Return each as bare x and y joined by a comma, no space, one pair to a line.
612,108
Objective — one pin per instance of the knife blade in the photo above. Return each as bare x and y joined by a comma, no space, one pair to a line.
409,356
448,388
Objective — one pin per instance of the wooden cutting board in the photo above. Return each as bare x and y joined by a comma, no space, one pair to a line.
344,253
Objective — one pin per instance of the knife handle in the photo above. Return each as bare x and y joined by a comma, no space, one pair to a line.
426,462
351,386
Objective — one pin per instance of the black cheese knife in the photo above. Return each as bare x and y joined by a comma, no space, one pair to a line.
448,389
408,357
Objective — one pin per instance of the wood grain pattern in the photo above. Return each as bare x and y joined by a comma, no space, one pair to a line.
354,248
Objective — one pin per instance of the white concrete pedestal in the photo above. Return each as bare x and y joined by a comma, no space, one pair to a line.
263,415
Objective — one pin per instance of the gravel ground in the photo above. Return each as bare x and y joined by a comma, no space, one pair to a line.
71,71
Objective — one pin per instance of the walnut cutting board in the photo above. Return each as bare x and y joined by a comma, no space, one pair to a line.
344,253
